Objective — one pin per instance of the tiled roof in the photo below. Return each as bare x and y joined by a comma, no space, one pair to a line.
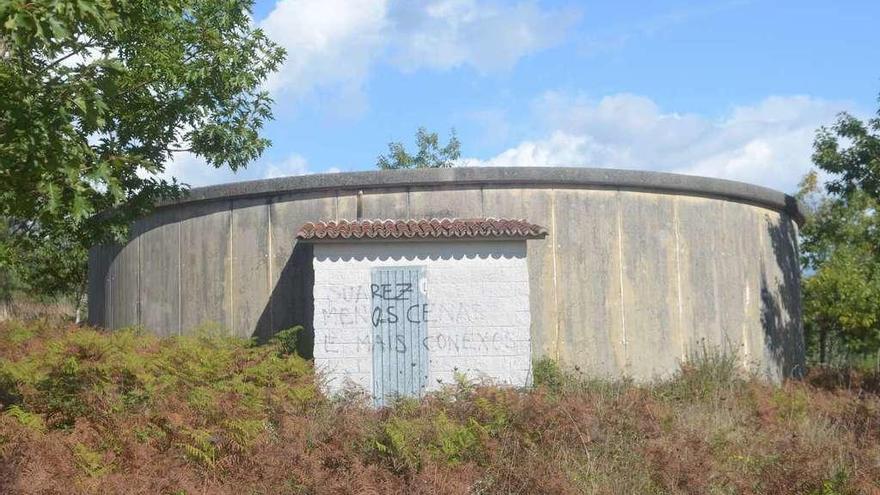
447,228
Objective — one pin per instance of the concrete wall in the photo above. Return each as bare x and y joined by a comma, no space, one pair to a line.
639,271
477,310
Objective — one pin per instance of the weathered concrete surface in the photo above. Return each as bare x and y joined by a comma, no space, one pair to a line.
648,275
123,301
588,313
640,270
159,236
292,302
250,279
205,275
100,258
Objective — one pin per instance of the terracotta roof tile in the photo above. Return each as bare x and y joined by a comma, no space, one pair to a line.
447,228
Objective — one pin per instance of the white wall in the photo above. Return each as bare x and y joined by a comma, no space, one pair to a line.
478,295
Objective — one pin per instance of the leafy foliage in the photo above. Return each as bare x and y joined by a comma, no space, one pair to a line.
43,265
841,242
850,149
288,340
98,95
429,155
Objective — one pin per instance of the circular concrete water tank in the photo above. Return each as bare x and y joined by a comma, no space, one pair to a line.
640,270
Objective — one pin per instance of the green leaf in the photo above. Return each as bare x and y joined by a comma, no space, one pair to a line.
58,29
134,98
80,102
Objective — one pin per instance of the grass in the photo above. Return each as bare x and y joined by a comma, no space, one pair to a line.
91,412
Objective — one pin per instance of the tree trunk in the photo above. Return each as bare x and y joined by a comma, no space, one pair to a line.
80,302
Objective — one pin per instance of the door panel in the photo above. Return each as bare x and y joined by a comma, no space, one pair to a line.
399,310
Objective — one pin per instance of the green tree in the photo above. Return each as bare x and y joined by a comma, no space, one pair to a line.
841,291
98,95
430,154
841,242
850,151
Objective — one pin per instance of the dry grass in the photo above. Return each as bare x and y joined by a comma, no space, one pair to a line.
22,308
88,412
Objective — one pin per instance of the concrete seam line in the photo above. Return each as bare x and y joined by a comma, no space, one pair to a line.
270,256
744,330
675,223
760,224
620,278
109,298
554,240
716,291
140,269
229,271
179,282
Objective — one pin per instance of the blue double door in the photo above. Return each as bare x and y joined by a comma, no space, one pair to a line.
399,317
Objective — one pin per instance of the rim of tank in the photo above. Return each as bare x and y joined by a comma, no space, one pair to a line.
562,177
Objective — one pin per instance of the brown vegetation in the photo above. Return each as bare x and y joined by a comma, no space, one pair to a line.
89,412
23,308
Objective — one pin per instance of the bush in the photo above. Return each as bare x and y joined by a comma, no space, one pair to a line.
92,412
288,340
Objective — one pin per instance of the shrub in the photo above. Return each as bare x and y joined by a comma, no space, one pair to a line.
546,373
92,412
288,340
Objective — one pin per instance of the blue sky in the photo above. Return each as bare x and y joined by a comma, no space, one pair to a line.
726,88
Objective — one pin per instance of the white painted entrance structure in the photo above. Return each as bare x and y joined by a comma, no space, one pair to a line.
402,311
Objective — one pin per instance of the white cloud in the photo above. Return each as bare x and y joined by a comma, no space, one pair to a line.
487,36
333,44
191,169
328,42
559,149
294,164
768,143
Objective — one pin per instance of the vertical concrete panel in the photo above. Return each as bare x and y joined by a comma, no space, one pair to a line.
783,347
205,265
533,205
123,286
445,203
753,327
384,204
99,278
700,240
647,237
292,274
160,272
588,277
517,203
346,205
738,296
250,266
